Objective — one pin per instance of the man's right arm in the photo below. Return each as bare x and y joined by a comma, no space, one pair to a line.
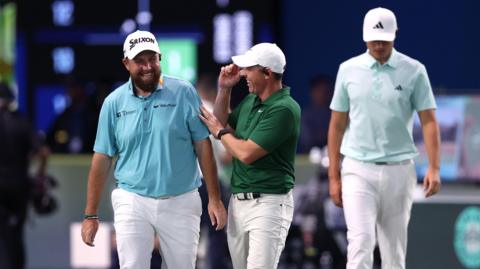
222,105
228,77
336,130
97,177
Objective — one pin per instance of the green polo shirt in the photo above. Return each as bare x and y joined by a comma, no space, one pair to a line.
275,126
381,101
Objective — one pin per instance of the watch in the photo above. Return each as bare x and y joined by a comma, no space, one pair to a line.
221,132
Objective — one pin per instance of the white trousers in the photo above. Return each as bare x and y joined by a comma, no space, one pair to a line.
176,222
257,230
377,200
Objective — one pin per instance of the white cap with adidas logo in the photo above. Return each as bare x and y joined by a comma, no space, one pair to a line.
379,24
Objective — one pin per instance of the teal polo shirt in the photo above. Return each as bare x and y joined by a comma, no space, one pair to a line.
381,101
274,125
153,137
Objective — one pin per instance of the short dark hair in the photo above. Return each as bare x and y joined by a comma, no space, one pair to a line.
277,76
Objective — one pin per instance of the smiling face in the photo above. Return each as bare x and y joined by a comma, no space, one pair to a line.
380,50
255,77
144,70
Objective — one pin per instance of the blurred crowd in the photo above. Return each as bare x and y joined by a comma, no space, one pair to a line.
74,129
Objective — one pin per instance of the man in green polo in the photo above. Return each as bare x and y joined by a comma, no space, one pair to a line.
262,136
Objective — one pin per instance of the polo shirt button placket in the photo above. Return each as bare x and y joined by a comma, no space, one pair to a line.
145,103
376,85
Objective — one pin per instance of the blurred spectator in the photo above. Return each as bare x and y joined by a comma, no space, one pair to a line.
73,130
101,89
319,229
322,225
18,144
217,249
316,117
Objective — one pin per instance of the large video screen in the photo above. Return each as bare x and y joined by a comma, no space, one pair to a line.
459,120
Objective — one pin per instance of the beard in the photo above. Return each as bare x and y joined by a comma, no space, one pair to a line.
147,82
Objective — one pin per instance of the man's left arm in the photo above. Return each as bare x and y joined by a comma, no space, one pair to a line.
431,137
216,209
247,151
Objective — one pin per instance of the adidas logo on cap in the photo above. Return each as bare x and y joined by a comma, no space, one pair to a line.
379,25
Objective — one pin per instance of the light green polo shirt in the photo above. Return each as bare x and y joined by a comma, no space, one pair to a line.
381,101
275,126
153,137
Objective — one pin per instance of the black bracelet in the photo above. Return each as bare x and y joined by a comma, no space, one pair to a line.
222,132
93,216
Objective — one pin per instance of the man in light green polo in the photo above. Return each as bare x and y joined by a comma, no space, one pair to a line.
262,137
376,95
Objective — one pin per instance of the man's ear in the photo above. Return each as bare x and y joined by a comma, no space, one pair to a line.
266,71
125,63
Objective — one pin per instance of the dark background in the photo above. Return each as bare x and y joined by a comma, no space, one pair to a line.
443,35
316,36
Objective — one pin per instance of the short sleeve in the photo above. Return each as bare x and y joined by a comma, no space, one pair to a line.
274,128
422,96
233,116
105,141
340,101
197,128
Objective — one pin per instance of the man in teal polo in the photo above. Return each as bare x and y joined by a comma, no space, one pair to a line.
262,136
376,96
151,125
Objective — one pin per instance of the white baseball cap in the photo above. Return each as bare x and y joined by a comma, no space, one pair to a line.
139,41
264,54
379,24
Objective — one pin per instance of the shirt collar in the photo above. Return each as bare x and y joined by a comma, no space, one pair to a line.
160,85
392,61
277,95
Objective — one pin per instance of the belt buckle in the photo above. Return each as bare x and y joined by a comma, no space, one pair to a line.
241,196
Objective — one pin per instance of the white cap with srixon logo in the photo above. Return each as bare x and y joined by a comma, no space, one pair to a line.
139,41
263,54
379,24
